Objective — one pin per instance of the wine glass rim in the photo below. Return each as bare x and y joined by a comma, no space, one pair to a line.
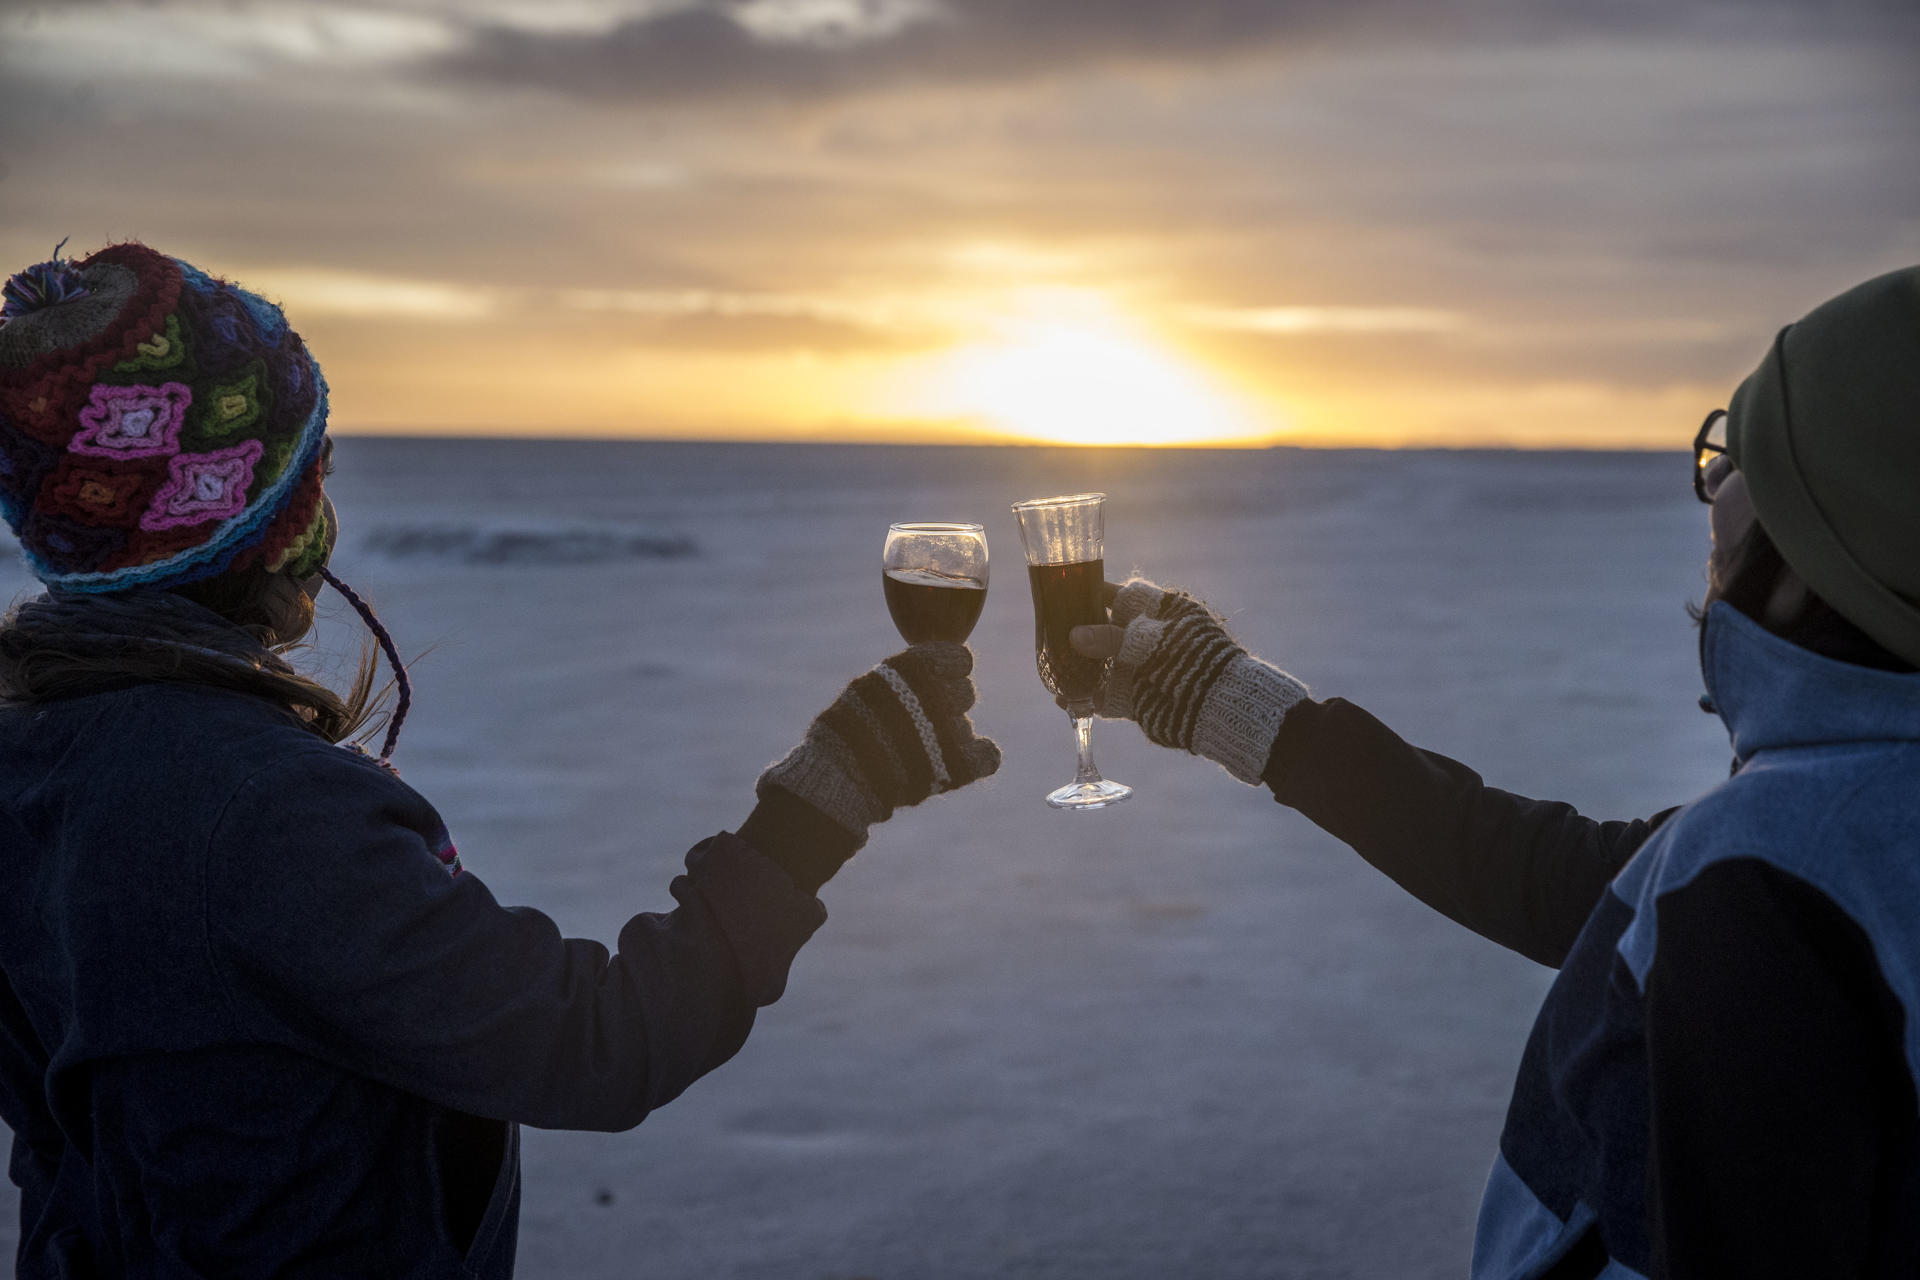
936,526
1065,500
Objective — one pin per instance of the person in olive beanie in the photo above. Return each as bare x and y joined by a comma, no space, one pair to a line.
1826,433
256,1017
1722,1080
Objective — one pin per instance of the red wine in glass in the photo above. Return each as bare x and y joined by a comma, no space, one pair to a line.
1066,596
1063,539
928,604
935,579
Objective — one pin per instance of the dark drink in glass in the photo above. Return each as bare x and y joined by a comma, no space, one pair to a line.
1063,539
927,604
1066,596
935,579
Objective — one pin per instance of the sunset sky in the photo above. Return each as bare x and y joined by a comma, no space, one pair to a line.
1459,222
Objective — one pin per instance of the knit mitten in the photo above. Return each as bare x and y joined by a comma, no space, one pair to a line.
893,737
1188,684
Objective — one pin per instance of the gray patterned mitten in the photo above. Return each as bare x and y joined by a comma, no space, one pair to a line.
1189,684
893,737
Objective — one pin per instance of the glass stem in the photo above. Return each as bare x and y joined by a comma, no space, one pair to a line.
1082,717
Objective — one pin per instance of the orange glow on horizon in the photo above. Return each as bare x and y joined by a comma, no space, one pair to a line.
995,365
1068,367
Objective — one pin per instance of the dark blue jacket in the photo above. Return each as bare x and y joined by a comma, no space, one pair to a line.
252,1021
1723,1080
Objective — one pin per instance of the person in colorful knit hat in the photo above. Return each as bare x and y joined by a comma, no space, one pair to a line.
255,1017
1722,1080
162,427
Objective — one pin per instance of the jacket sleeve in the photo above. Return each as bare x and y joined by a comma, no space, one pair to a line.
1524,873
337,930
1779,1089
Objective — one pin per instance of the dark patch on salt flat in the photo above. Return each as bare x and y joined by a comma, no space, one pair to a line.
493,545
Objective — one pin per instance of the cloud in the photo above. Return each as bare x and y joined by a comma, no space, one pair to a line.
725,320
1283,321
707,50
833,23
345,293
759,333
710,50
201,41
667,303
675,318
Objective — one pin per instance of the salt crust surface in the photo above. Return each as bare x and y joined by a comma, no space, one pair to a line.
1192,1036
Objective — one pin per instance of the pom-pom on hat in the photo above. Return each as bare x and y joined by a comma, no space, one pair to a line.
1827,433
158,426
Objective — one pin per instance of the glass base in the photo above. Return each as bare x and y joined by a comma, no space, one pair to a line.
1089,795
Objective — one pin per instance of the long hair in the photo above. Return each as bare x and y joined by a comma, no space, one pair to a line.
234,631
1752,573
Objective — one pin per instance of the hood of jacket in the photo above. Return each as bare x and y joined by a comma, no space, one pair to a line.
1771,692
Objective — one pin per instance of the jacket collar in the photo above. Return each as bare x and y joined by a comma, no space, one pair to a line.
1772,693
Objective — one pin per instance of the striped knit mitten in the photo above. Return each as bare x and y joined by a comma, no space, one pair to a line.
1190,685
893,737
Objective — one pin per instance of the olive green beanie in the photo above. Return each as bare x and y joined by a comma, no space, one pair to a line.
1827,433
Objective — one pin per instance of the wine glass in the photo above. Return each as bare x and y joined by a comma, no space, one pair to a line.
1062,538
935,577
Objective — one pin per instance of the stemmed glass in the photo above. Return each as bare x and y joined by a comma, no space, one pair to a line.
935,579
1062,538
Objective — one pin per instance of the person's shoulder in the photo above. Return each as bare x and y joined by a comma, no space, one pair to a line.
1817,801
1840,819
160,776
190,740
265,763
217,731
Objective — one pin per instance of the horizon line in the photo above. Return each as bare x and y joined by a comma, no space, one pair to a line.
1303,446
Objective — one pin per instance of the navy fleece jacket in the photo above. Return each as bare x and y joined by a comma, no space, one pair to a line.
1722,1081
253,1020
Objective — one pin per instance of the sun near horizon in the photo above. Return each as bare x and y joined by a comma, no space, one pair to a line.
1071,368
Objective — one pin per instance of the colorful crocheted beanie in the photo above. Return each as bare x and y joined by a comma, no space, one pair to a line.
157,426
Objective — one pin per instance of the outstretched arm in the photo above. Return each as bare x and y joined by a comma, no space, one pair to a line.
1524,873
337,930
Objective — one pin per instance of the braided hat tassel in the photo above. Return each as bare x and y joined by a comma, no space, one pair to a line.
380,633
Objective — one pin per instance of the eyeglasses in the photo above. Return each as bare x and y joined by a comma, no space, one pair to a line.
1708,445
